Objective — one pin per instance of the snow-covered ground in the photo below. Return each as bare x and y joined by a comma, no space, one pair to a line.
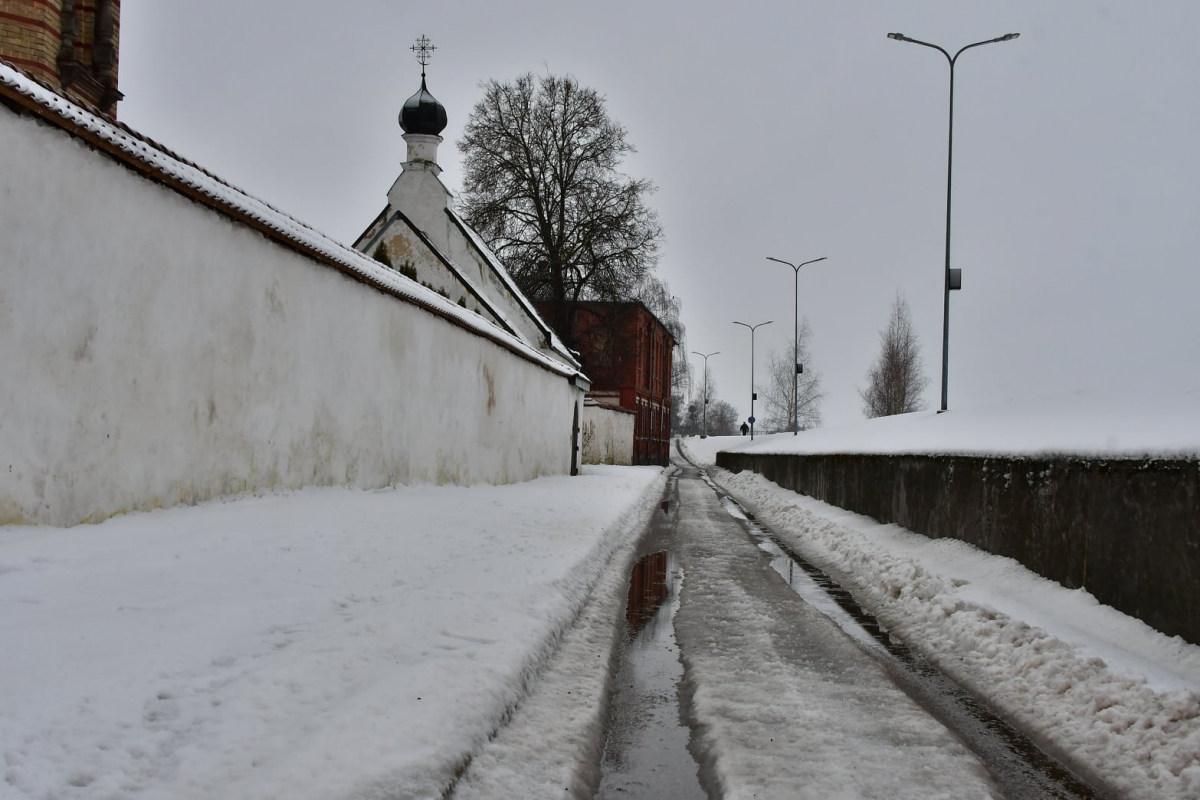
1126,426
324,643
1113,697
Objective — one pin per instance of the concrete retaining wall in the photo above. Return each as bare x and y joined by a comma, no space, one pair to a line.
1127,530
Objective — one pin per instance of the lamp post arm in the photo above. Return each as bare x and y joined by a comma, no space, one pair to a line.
933,46
1005,38
900,37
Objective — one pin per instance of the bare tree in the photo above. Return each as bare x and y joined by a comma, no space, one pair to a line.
777,393
897,378
722,419
541,184
655,295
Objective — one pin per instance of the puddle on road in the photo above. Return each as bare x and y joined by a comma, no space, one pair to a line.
648,588
1018,765
646,755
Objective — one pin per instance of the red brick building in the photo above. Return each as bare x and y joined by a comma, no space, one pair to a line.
70,45
626,351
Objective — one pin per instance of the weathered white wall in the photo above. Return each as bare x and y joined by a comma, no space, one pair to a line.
421,196
607,435
156,352
405,248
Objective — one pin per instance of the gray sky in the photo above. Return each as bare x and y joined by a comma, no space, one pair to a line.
788,129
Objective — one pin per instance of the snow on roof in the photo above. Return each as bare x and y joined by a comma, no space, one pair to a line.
494,262
1082,424
592,401
128,144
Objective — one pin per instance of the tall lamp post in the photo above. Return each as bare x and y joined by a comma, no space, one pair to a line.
796,336
753,394
705,357
955,281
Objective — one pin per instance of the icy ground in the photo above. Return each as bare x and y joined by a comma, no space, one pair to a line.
1112,697
319,644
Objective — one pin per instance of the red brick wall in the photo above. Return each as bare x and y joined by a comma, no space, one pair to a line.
31,39
627,351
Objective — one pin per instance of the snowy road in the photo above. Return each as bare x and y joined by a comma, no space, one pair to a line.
778,700
784,703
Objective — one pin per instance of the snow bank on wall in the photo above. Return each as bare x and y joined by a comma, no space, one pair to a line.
607,435
156,352
1141,423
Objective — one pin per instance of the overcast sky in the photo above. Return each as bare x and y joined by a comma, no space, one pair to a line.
788,129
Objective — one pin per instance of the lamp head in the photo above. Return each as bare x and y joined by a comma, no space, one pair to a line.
1008,37
899,37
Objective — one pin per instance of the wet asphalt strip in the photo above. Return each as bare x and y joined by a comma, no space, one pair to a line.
646,747
1018,766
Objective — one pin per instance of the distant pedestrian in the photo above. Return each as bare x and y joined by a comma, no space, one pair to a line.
745,429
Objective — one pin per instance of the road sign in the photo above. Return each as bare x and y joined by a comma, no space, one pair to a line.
751,420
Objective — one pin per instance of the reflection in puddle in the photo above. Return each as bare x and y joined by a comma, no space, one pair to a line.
646,755
1018,764
647,590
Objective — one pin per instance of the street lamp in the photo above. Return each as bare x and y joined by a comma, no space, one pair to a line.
796,337
753,394
705,357
955,281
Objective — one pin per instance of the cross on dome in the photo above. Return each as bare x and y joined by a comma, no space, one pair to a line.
423,50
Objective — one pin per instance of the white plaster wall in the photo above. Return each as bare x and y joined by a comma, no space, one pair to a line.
607,436
155,352
461,252
421,196
404,247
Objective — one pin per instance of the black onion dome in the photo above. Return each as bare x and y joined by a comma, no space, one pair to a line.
422,113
